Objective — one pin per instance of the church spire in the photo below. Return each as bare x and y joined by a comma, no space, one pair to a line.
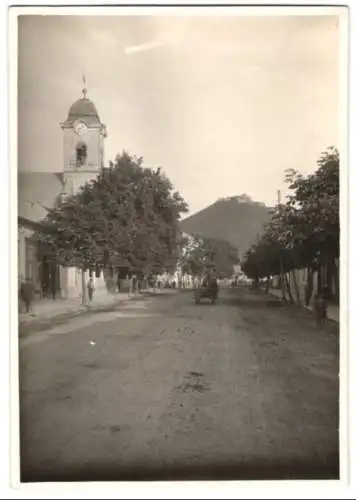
84,91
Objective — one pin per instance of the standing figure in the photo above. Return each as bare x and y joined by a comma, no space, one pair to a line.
320,307
134,283
27,293
90,289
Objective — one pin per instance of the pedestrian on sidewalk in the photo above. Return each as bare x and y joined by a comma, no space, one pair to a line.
134,283
320,306
27,294
91,289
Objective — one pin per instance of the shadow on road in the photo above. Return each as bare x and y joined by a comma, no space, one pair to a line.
258,469
249,300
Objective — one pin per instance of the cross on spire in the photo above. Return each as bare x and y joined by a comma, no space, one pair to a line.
84,91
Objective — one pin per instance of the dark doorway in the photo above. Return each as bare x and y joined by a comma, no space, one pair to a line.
50,279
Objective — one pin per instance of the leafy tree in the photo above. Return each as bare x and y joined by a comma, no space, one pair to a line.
209,252
194,258
303,232
316,200
128,216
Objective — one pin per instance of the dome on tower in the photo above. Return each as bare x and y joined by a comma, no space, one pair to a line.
83,109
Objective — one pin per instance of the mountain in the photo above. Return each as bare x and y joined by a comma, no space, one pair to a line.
236,219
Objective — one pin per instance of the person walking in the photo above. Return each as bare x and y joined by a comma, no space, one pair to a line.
27,294
91,289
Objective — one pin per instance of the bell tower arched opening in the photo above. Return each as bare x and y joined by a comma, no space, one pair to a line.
81,154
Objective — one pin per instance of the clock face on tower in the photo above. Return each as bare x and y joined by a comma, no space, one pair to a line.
80,128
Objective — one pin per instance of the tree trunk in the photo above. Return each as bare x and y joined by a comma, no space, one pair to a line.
287,285
309,286
294,278
84,288
319,278
282,277
336,279
330,276
295,284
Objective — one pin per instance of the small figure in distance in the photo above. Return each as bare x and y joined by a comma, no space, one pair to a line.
91,289
320,307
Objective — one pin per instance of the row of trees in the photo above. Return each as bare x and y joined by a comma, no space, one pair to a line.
303,232
127,217
201,252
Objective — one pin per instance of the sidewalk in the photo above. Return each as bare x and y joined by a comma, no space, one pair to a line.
46,309
333,310
49,312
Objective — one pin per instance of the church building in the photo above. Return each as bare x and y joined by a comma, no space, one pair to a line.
83,136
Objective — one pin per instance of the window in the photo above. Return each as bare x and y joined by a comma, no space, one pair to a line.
81,154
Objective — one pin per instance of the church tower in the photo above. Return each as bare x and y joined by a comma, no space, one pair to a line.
83,144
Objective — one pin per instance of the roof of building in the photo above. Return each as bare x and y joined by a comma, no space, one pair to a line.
84,109
37,193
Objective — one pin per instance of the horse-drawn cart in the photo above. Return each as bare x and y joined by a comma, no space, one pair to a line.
207,290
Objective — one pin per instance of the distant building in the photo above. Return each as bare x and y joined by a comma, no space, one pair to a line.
83,156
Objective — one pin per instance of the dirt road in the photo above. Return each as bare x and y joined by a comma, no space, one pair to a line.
164,389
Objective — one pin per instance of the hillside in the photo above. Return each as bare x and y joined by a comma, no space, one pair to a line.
237,219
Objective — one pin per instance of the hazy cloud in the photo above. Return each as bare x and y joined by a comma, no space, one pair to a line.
134,49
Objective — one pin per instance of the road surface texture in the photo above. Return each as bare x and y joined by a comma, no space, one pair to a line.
163,389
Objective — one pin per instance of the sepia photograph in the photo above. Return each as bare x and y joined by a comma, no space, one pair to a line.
178,264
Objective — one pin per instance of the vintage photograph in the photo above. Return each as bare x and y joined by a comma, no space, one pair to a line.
178,248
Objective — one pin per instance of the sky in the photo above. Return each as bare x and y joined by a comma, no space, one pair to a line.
224,104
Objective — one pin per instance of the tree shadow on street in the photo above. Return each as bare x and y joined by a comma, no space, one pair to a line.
302,468
275,309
